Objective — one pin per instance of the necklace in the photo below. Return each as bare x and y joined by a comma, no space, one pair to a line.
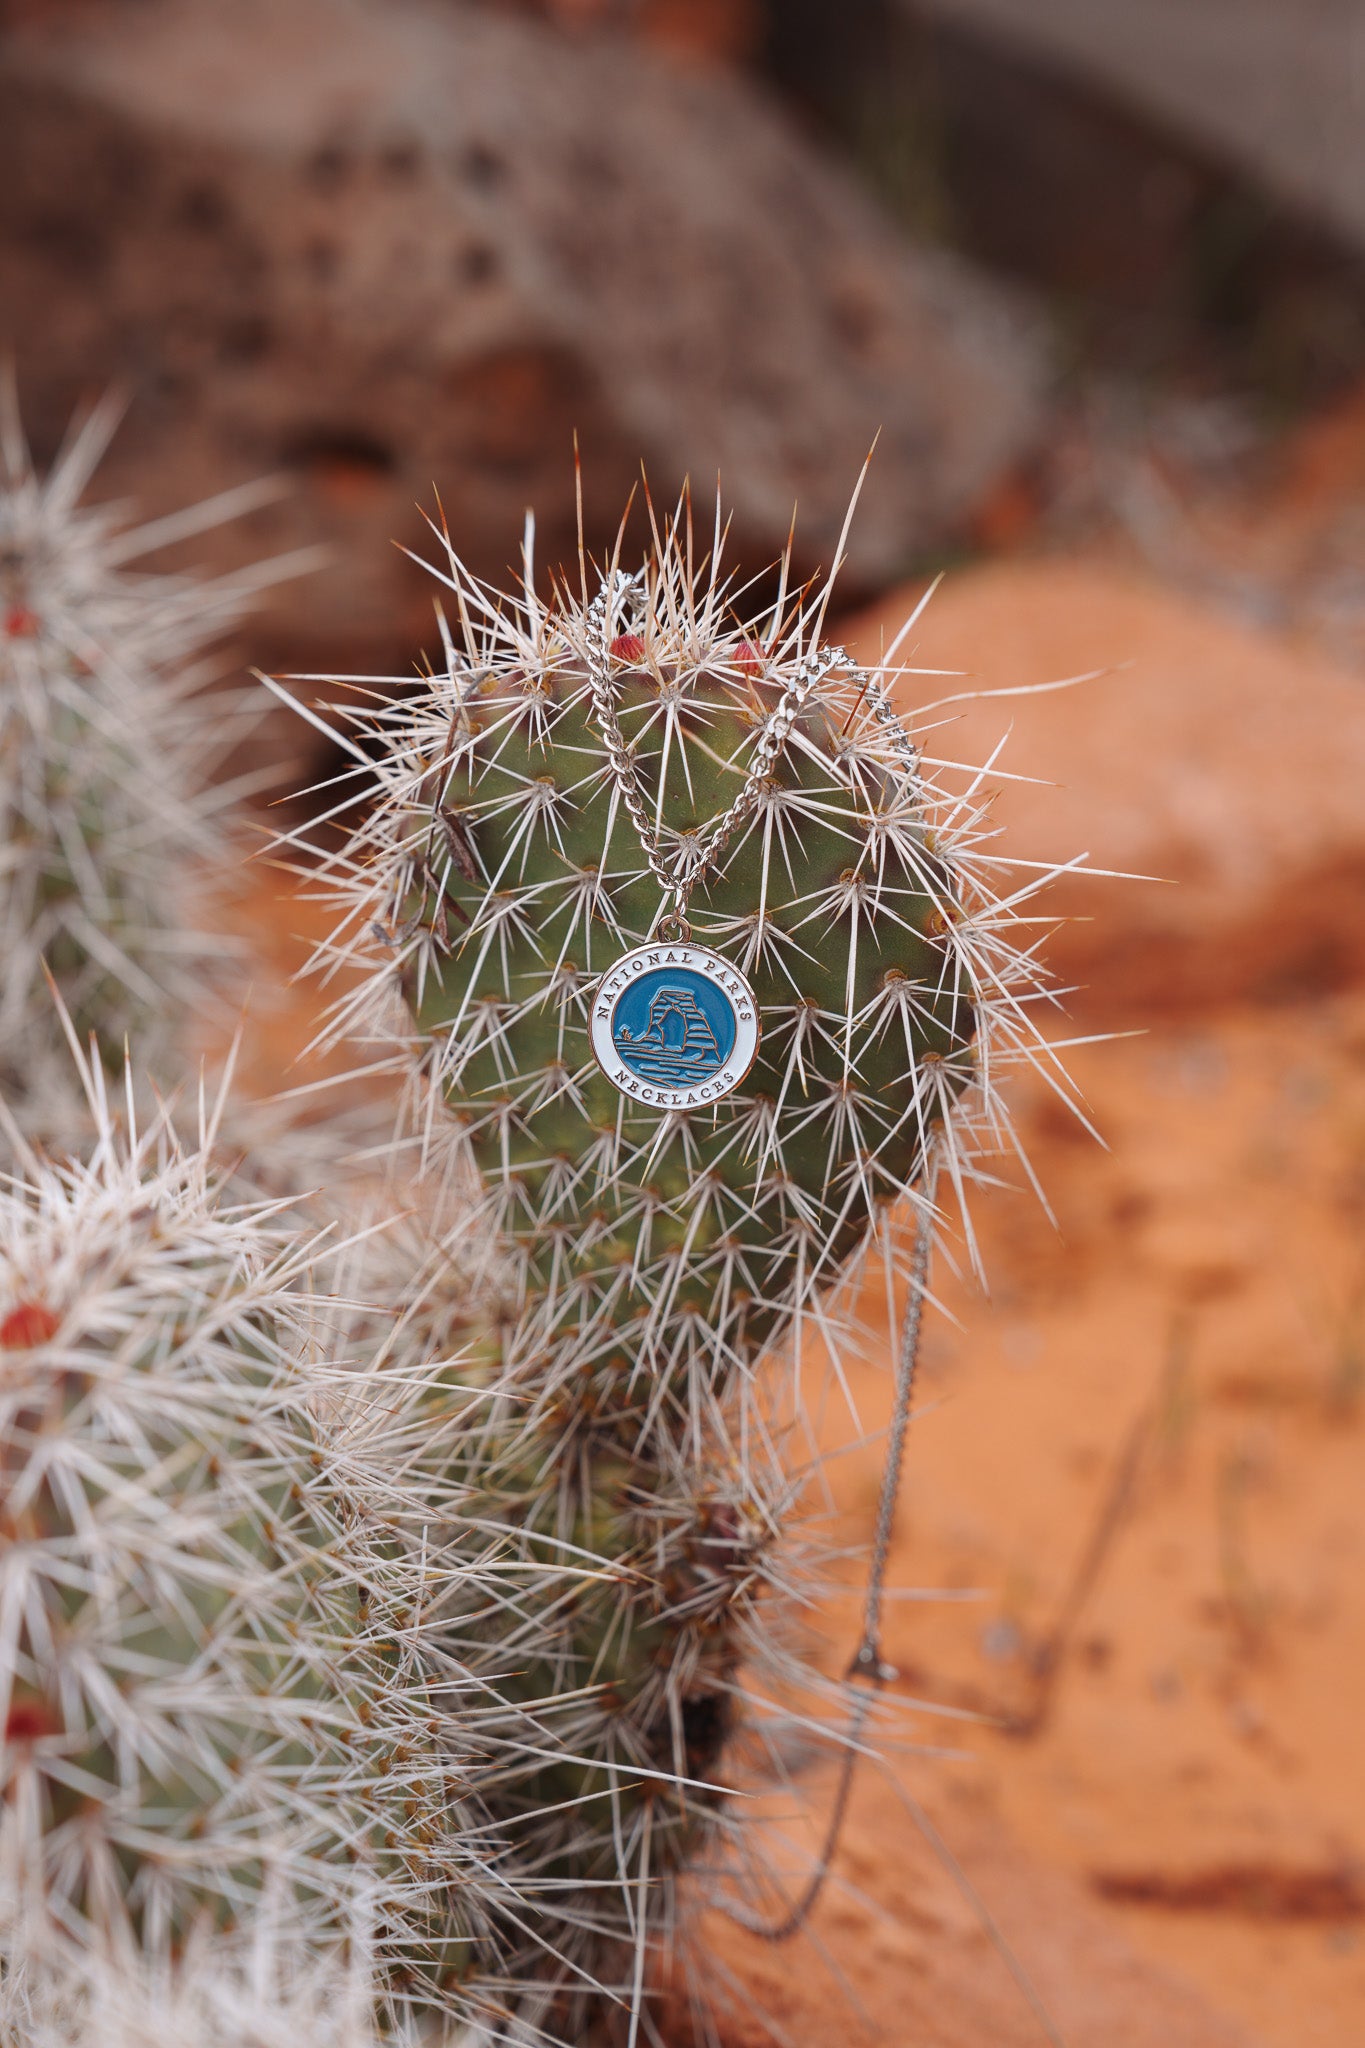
673,1001
674,1024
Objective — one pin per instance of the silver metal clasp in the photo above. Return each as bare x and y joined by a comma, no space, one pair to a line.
677,916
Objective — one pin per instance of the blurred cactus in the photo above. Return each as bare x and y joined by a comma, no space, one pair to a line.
652,1257
217,1713
272,1992
108,819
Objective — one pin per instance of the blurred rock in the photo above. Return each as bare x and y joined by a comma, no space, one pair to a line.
1225,761
1164,255
391,245
706,31
1278,85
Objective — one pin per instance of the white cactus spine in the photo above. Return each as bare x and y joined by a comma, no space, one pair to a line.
110,819
217,1703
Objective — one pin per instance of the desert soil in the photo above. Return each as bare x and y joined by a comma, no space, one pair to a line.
1150,1433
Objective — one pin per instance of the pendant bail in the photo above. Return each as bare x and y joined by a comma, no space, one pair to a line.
674,920
677,916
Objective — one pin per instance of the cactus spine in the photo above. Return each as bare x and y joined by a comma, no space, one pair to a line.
275,1992
655,1256
217,1716
108,821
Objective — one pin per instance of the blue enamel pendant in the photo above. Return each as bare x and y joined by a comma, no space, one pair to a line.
674,1025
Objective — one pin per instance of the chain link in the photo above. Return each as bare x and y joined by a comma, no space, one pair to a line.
622,591
885,713
868,1664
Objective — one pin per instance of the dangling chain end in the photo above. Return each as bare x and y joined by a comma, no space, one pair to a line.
868,1663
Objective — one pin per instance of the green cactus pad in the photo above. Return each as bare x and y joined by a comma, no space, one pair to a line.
832,899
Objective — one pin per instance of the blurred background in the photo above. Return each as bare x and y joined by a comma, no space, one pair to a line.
1093,277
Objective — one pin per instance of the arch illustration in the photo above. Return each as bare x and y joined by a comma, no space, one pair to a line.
677,1043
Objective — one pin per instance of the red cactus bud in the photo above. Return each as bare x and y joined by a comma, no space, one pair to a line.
628,647
20,623
27,1325
28,1719
750,658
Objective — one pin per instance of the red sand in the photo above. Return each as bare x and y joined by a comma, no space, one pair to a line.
1201,1750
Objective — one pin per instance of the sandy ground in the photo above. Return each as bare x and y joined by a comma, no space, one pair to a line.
1143,1452
1154,1426
1196,1321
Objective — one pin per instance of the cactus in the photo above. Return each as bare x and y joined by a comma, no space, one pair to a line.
654,1256
217,1712
108,820
274,1993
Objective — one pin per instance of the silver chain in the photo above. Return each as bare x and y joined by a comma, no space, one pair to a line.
868,1664
692,862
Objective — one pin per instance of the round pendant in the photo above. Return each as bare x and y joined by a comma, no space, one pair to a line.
674,1025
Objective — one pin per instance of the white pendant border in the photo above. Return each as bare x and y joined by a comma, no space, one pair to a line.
701,960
